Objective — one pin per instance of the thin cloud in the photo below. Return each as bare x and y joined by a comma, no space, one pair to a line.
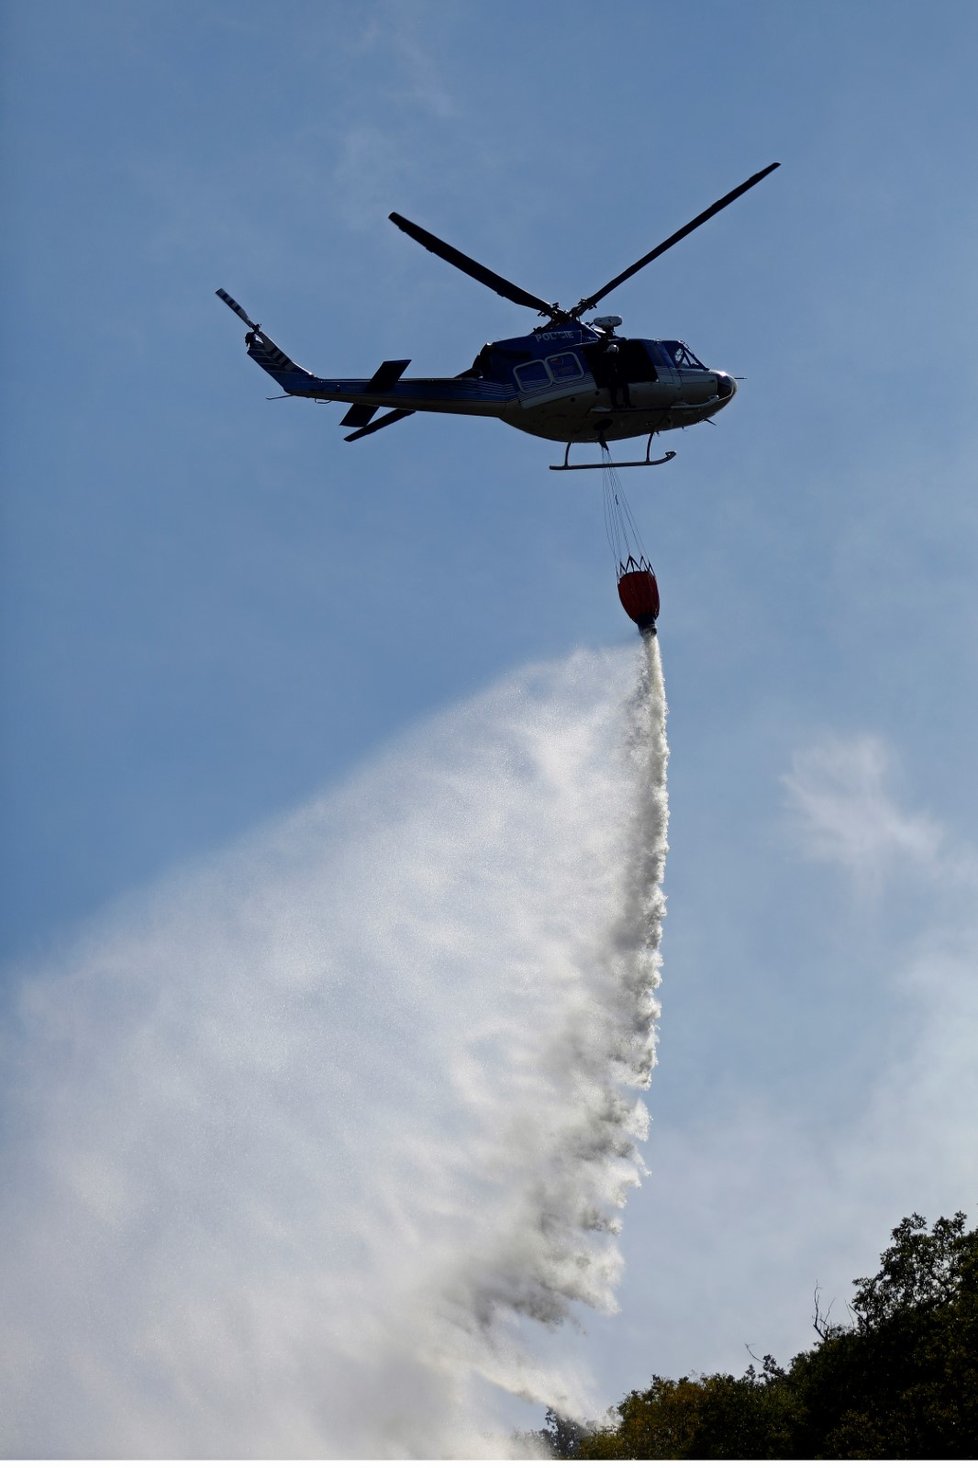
838,791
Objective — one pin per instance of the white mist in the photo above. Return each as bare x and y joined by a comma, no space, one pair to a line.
297,1143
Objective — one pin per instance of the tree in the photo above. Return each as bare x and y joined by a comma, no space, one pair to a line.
718,1416
900,1382
561,1435
920,1270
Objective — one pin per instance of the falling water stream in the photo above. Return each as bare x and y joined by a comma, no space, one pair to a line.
311,1148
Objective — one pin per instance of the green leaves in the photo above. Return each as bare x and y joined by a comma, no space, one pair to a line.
920,1269
901,1382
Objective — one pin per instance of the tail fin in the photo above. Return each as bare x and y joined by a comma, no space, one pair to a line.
287,374
261,349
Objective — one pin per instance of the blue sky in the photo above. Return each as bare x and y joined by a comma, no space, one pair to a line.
213,608
177,548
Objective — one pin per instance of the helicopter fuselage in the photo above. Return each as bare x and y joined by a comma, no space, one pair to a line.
568,383
570,380
577,384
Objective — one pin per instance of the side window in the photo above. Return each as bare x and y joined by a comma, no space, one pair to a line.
564,367
532,374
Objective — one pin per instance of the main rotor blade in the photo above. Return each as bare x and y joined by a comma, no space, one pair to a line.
589,302
468,266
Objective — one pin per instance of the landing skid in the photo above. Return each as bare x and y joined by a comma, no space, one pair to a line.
647,463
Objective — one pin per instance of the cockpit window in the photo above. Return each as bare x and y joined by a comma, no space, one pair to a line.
681,355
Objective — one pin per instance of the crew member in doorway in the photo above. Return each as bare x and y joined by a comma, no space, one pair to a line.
617,385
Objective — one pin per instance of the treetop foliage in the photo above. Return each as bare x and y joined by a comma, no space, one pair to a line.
900,1381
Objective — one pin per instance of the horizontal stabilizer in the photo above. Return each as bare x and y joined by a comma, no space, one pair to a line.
385,376
358,416
393,417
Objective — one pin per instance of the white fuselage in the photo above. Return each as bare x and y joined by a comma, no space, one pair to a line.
584,412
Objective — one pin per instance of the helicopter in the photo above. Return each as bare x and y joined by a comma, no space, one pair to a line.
567,380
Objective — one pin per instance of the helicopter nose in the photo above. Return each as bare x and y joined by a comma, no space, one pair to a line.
726,386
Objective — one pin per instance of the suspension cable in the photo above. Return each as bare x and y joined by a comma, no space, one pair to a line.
619,522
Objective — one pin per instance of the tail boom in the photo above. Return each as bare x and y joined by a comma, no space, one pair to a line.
386,389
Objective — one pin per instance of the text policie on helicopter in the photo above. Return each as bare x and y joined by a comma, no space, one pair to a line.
569,380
